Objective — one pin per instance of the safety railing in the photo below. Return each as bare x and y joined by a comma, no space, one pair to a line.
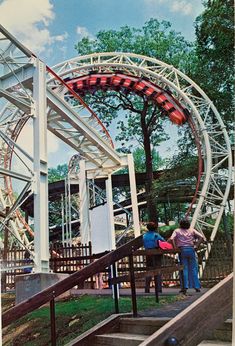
49,294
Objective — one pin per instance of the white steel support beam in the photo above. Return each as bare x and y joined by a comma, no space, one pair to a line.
15,175
41,223
109,196
77,123
134,201
22,75
84,204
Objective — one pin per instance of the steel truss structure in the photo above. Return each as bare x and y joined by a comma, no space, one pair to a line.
24,96
29,90
216,179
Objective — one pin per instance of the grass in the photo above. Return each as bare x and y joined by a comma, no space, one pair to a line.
73,317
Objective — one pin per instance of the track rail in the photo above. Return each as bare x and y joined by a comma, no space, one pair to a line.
207,125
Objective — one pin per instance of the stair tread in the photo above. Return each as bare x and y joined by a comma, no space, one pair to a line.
144,320
215,343
126,336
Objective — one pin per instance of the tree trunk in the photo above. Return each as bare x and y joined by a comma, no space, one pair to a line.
151,205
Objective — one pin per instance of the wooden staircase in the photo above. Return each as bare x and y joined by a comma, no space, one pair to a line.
120,330
221,336
131,331
201,320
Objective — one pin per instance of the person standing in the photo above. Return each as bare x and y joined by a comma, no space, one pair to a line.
27,261
187,239
150,239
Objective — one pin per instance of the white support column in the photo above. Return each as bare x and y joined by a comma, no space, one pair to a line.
134,201
41,223
109,196
63,219
84,204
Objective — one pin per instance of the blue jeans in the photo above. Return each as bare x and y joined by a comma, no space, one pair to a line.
190,273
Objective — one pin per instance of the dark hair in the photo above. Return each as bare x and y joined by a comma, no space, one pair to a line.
26,254
184,223
151,226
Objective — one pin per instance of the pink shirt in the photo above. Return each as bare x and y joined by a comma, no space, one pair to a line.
185,237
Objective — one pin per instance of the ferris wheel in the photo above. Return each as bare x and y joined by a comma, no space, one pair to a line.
76,124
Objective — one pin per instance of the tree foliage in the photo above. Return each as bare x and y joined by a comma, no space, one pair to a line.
139,160
58,173
155,39
215,64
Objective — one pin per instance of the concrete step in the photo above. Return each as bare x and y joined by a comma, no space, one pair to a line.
224,332
142,325
214,343
117,339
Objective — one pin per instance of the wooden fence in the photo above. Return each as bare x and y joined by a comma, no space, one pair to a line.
13,263
73,258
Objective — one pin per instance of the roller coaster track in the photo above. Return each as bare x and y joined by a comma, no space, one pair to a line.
205,119
72,120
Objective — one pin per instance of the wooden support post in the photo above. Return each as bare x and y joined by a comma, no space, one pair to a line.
156,288
115,289
133,290
53,326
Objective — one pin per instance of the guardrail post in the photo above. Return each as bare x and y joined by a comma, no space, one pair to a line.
115,288
156,278
52,318
133,290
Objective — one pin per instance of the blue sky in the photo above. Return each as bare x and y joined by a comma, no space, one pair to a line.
50,28
87,17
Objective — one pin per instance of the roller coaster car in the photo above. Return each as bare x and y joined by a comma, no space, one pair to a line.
164,98
139,86
177,117
149,91
116,80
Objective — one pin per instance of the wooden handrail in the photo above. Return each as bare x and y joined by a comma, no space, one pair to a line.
79,258
151,252
62,286
144,274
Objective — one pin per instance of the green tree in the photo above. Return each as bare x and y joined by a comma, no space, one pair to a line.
139,159
215,65
143,120
58,173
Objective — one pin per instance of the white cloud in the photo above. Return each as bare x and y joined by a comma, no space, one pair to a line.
183,7
61,38
83,32
29,20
